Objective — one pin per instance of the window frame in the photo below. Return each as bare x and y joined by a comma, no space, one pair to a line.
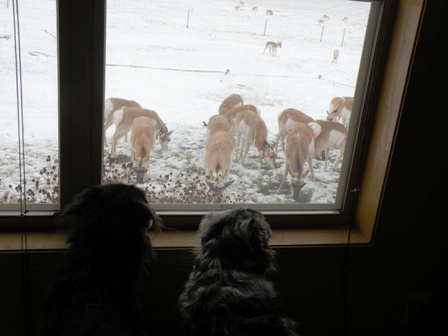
81,76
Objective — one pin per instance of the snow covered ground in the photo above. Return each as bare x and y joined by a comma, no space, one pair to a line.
181,59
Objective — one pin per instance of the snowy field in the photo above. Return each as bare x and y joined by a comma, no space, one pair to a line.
181,59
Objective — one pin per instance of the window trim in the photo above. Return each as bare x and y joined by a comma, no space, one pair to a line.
312,231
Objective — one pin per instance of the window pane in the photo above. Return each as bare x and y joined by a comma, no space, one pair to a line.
183,59
29,129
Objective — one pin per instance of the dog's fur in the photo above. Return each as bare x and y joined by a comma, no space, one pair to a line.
94,291
227,292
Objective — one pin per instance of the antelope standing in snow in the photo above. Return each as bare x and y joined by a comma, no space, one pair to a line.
269,12
218,160
329,135
335,56
233,112
272,47
123,119
295,116
251,129
230,102
341,108
217,123
143,137
112,105
300,143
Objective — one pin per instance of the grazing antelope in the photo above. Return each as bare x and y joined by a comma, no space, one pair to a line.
341,108
251,129
335,56
218,159
329,135
143,137
272,46
237,8
217,123
123,119
230,102
283,117
269,12
254,9
300,144
110,106
233,112
345,19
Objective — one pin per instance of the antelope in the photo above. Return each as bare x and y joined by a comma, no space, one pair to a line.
110,107
217,123
269,12
218,159
272,46
335,56
143,137
230,102
283,117
300,144
341,108
254,9
329,135
233,112
123,119
251,129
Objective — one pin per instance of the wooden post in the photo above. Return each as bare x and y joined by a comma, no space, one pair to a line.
188,17
265,24
343,35
322,33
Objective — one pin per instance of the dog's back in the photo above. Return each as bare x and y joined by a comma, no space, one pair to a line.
227,292
94,291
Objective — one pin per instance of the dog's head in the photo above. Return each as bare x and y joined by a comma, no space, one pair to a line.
110,222
236,239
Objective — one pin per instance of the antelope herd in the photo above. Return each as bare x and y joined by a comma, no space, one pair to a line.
231,132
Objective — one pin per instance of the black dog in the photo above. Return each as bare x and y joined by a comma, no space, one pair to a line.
94,290
227,292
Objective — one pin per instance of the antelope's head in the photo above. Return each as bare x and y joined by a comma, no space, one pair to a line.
269,155
164,137
140,171
217,181
297,184
331,116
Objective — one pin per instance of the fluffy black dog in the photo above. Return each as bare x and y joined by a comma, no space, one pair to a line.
94,291
227,292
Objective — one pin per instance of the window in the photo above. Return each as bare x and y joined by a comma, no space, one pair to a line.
180,60
29,164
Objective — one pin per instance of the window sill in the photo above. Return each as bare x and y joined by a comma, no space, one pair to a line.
188,240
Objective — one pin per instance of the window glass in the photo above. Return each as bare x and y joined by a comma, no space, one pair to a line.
175,63
29,128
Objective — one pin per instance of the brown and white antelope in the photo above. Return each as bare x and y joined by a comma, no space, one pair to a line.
335,56
233,112
341,109
217,123
230,102
283,118
251,129
329,135
123,119
142,139
111,105
272,47
269,12
218,160
300,143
